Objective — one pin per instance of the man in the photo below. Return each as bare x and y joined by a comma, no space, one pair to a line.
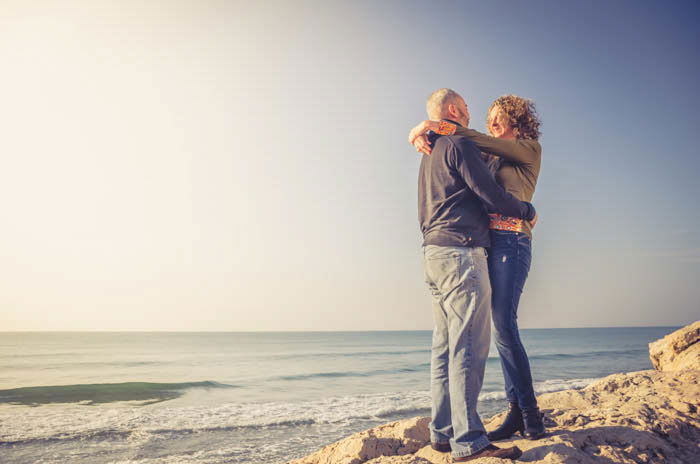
454,185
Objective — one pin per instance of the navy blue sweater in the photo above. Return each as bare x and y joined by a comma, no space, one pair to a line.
455,189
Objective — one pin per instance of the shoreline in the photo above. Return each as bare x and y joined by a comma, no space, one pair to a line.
646,416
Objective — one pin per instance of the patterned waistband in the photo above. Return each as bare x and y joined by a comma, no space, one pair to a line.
499,222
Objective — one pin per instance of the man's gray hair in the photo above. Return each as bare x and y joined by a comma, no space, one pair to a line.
438,102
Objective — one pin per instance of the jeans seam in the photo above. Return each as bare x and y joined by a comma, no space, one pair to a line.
514,306
470,324
513,318
442,296
513,309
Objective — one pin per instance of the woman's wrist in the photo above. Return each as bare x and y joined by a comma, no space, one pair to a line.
428,125
444,128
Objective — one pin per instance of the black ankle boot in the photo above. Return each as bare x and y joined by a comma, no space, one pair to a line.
534,427
513,423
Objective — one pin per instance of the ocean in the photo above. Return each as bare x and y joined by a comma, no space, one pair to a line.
249,398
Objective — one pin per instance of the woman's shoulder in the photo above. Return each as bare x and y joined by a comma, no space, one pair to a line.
532,145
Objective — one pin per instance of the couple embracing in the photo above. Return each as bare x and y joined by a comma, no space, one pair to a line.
473,194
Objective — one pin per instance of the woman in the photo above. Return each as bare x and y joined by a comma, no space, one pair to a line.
513,154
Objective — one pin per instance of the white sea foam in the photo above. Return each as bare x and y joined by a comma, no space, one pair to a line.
562,384
137,423
546,386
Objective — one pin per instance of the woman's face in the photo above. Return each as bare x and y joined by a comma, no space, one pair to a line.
498,125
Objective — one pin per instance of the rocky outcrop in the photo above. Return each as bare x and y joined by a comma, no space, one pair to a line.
640,417
676,351
400,438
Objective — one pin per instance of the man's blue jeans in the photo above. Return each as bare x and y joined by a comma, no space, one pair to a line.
509,263
459,282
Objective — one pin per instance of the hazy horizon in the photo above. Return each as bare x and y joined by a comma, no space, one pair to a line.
322,331
244,166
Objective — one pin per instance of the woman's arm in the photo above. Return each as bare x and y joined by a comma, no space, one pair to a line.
519,151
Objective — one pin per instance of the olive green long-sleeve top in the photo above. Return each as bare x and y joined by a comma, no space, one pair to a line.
520,167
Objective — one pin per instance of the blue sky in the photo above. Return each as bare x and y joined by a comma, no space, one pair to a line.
244,165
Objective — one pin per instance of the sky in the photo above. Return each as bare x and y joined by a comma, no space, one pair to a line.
244,166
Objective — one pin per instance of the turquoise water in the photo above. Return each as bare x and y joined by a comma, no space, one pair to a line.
249,397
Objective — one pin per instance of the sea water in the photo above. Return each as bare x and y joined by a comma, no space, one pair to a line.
228,397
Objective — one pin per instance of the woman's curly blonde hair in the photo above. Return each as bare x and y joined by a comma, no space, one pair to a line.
520,113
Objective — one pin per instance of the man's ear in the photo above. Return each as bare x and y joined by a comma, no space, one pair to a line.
452,110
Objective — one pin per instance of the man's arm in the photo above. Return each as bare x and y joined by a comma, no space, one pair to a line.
466,159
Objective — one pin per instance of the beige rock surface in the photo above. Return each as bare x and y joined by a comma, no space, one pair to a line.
639,417
678,350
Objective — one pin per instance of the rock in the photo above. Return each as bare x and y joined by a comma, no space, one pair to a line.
641,417
679,350
394,439
406,459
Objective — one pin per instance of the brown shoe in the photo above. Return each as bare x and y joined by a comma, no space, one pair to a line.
442,447
492,452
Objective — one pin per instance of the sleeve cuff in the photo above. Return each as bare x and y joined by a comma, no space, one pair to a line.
446,128
532,211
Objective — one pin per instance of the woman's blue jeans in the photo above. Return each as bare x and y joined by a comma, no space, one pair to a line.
509,263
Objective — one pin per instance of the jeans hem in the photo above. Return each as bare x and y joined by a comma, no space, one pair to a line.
439,442
531,405
434,438
460,450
